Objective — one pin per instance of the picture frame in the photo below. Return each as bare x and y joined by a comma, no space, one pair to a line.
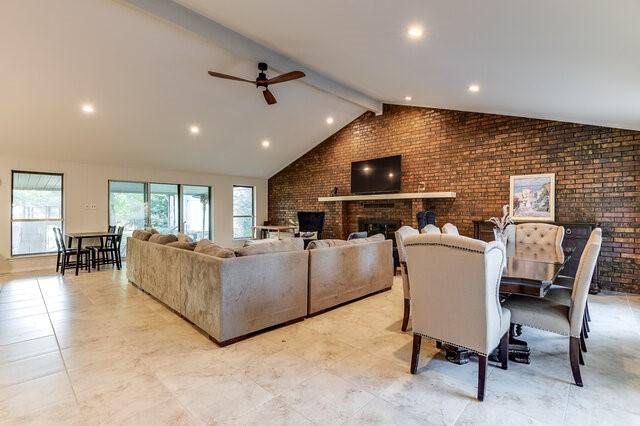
532,197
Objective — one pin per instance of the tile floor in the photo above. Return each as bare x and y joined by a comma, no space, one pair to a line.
93,349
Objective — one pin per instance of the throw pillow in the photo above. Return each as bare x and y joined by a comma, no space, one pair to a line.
184,238
162,238
371,239
212,249
141,234
271,246
183,245
317,244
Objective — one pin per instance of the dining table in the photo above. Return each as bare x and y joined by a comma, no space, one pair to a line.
529,270
102,235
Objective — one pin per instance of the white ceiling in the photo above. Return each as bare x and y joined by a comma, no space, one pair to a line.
570,60
148,81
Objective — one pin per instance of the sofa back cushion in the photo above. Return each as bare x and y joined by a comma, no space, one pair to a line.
184,238
141,234
163,238
371,239
184,245
212,249
270,246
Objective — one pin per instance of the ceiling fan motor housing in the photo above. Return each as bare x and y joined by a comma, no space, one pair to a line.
262,66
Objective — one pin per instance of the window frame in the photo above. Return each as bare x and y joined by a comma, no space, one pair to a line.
147,201
12,220
253,211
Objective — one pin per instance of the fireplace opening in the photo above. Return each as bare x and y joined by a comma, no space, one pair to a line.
387,227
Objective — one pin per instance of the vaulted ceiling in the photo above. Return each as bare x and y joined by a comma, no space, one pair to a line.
143,63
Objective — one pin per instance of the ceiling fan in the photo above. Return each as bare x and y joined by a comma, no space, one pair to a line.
263,81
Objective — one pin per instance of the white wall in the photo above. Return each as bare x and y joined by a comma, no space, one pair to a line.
88,184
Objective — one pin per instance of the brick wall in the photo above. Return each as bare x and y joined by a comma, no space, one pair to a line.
597,174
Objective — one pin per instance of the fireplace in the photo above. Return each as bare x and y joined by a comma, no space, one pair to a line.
387,227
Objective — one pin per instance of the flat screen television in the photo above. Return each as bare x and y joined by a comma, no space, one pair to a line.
377,176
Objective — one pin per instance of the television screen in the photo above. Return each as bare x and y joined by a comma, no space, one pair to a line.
378,176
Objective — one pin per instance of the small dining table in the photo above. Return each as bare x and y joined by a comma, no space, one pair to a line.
528,271
79,236
260,231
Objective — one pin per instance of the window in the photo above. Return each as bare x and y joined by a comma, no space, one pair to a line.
36,208
195,211
243,212
168,207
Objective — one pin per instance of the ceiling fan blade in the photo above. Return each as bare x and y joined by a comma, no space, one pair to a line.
293,75
229,77
268,96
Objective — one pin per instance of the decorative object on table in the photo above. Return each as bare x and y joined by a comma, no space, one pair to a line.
532,197
500,224
421,186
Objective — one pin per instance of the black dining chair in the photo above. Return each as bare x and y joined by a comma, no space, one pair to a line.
65,255
109,251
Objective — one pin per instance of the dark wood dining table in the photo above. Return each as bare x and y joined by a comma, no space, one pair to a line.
528,271
103,235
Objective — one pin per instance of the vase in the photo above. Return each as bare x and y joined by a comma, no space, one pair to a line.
500,235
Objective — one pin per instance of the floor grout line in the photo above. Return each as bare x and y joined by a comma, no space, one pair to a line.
64,363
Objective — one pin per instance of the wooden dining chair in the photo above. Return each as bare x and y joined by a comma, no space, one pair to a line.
401,234
558,318
454,296
66,254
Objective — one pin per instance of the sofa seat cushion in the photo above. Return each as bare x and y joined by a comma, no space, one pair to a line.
141,234
271,246
184,245
212,249
163,238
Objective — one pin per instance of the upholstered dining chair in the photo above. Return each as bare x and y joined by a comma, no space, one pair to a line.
540,240
559,318
401,234
430,229
455,282
450,229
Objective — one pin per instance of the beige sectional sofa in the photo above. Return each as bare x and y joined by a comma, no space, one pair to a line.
230,298
227,298
343,273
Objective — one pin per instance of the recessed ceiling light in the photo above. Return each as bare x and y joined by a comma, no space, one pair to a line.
329,120
408,98
194,130
474,88
88,109
415,32
266,144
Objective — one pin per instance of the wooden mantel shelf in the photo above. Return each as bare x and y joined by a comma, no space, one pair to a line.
401,196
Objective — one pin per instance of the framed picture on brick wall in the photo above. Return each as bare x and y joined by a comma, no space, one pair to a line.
532,197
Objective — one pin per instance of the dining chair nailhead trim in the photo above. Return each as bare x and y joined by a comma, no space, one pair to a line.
451,343
444,245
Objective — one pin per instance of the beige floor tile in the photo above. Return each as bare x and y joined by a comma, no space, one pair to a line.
380,412
274,412
193,369
23,399
65,413
169,412
26,328
223,401
27,349
30,368
105,374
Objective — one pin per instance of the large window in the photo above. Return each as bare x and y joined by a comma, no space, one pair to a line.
167,207
36,208
243,212
195,211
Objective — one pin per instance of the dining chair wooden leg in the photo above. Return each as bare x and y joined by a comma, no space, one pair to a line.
482,376
504,351
580,357
586,311
583,343
63,266
585,324
405,317
415,353
58,262
574,358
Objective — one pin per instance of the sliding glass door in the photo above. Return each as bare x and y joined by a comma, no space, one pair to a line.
195,211
163,207
127,207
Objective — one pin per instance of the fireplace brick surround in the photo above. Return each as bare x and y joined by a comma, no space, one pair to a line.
597,175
